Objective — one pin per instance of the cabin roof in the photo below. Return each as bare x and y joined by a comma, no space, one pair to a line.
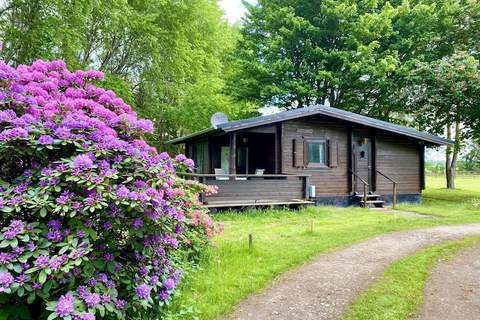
313,110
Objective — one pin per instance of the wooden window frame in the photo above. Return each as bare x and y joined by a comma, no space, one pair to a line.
315,165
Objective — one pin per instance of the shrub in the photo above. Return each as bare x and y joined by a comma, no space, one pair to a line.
95,223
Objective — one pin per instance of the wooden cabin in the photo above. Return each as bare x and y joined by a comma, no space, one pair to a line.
316,154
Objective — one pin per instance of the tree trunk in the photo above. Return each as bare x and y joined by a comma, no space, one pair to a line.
451,155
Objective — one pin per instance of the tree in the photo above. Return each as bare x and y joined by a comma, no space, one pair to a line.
349,54
160,56
445,97
471,160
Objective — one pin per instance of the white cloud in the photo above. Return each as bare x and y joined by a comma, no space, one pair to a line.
234,9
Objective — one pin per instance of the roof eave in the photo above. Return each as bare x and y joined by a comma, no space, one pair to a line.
192,136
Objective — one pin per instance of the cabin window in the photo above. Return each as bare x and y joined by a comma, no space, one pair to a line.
316,153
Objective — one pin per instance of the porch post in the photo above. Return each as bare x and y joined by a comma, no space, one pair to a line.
421,151
351,179
373,174
233,154
278,148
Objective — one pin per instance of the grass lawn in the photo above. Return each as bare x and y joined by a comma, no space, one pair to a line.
282,240
399,292
462,203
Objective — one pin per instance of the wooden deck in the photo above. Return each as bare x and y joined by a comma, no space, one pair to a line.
254,190
257,203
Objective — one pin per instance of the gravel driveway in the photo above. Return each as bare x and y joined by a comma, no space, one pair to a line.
324,287
453,290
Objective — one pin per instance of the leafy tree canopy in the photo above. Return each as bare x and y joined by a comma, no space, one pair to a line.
351,54
163,57
444,95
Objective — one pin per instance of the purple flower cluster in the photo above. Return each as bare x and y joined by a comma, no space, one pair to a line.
82,161
105,213
143,291
64,305
6,280
15,228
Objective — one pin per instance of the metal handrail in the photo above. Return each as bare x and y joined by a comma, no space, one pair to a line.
365,185
394,191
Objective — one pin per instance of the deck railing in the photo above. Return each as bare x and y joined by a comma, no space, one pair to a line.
252,187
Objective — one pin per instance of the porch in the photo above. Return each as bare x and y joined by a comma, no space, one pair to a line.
246,168
249,190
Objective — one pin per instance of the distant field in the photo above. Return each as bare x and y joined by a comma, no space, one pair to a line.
463,182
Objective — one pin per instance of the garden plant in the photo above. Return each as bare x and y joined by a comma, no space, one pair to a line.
94,222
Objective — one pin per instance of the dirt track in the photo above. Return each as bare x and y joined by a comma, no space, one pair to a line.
453,290
324,287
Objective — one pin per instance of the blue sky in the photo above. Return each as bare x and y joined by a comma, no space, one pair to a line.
234,9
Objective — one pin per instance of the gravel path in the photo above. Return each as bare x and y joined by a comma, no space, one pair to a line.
453,290
323,288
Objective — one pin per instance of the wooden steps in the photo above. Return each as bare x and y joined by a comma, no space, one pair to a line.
372,200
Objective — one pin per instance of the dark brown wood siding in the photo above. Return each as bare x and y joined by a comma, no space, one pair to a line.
257,189
331,180
398,158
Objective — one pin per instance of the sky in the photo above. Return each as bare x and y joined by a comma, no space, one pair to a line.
234,9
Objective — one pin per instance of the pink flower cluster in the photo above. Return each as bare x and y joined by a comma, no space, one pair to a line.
64,105
93,211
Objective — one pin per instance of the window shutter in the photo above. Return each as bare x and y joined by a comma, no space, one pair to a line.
332,147
297,156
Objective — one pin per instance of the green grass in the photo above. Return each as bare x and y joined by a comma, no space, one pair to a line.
399,292
282,240
462,203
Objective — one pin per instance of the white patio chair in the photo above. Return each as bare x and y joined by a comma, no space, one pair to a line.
259,172
220,174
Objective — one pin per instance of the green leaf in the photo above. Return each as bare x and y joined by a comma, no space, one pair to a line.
17,268
46,288
101,309
52,316
31,298
43,212
14,243
42,277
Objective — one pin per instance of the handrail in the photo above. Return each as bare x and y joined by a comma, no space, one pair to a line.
386,177
394,191
365,185
213,175
363,181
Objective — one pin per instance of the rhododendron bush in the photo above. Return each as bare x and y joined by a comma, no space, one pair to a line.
94,222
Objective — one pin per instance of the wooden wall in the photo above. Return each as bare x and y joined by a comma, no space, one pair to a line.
398,158
329,181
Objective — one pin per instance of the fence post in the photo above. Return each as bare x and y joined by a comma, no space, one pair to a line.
250,242
394,200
